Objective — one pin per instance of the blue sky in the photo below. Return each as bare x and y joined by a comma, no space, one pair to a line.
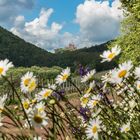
52,24
64,12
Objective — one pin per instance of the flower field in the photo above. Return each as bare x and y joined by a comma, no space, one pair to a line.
106,110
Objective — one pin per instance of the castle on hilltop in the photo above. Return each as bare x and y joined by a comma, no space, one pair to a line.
70,47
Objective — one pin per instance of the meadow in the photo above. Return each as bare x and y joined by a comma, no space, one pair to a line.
42,103
100,109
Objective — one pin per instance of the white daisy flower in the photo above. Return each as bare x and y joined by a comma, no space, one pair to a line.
2,102
93,129
40,106
110,54
84,100
106,78
28,82
52,86
63,76
125,128
94,101
38,118
137,72
26,105
122,72
124,68
4,66
137,85
88,76
44,94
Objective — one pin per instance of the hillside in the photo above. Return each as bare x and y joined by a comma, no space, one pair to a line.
87,57
22,53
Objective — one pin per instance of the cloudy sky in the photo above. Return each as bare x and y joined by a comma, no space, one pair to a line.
52,24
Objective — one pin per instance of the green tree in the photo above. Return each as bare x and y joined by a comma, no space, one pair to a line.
130,35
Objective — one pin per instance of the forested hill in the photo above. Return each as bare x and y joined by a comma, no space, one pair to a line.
22,53
87,57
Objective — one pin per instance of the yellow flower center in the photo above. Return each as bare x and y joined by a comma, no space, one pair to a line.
64,77
26,105
32,86
1,70
94,129
122,73
38,119
47,93
26,82
111,55
126,129
95,103
84,100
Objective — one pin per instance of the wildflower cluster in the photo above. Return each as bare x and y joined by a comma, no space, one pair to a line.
114,103
109,109
41,107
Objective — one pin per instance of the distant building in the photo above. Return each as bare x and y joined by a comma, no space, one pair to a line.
70,47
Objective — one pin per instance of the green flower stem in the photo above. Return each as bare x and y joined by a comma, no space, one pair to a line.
53,129
14,90
75,86
13,116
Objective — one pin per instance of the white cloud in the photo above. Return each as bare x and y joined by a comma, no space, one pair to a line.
19,21
37,31
99,22
39,28
9,9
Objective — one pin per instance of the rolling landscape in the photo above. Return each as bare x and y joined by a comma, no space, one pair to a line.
25,54
70,70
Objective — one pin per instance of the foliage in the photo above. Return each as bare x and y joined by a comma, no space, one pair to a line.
25,54
88,57
106,110
21,52
130,36
44,75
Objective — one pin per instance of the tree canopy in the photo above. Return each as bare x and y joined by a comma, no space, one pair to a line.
130,32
